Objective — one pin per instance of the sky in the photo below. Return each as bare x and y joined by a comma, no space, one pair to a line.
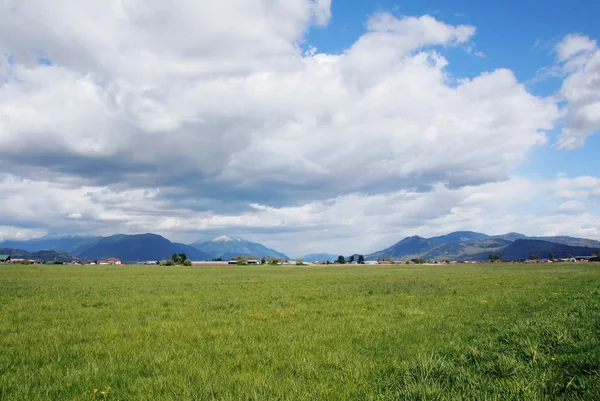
307,125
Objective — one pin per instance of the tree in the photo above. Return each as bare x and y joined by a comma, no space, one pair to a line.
361,260
263,260
170,262
493,257
341,260
187,262
551,256
299,262
274,262
533,257
178,258
351,259
388,259
597,253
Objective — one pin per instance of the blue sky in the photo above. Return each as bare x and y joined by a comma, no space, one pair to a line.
506,32
199,119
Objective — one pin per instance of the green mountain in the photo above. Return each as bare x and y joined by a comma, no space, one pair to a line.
140,247
227,247
523,248
510,236
43,256
572,241
407,248
468,245
469,250
65,243
458,237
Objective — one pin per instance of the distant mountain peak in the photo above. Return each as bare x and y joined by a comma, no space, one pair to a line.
226,246
224,238
470,245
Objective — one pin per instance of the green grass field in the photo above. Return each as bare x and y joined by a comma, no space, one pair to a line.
487,332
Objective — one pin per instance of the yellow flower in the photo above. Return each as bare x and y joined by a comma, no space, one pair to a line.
95,390
483,301
364,309
102,393
554,359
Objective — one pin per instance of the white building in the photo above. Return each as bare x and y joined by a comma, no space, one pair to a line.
210,262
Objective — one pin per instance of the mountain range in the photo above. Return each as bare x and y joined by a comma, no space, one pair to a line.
468,245
319,257
66,243
459,245
43,255
141,247
138,247
229,247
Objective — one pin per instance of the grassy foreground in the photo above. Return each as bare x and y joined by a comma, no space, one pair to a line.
337,333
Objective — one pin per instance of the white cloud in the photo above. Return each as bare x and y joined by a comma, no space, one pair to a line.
581,89
574,206
383,113
580,188
19,233
572,45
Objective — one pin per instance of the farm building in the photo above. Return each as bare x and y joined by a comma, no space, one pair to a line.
114,261
20,260
253,262
4,259
209,263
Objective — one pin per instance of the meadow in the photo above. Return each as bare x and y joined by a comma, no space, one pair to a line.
486,332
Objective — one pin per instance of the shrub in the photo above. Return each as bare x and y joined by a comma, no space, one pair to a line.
187,262
170,262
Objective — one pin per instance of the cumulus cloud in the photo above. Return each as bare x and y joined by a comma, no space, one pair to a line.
188,117
581,89
382,114
572,45
575,206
